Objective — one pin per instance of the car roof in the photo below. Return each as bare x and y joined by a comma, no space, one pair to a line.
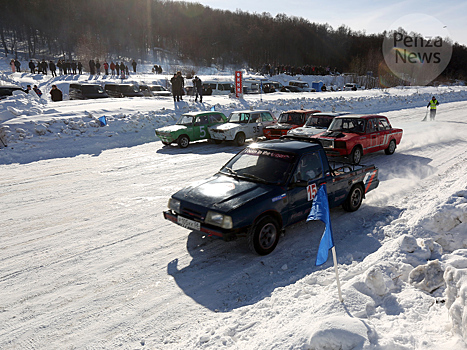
332,114
301,111
289,144
361,116
250,111
10,86
193,114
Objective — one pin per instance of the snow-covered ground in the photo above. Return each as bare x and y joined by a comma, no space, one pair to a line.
88,262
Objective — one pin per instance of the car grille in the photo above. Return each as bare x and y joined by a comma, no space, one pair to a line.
276,132
195,215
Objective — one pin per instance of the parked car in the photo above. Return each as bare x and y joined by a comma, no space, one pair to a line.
290,88
123,90
352,87
7,90
86,91
265,188
316,123
287,121
191,126
242,125
159,90
353,136
145,90
217,87
303,86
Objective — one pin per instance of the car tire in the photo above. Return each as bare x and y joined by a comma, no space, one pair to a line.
240,139
183,141
264,236
354,198
391,148
356,155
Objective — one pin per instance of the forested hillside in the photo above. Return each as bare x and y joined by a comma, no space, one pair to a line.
146,28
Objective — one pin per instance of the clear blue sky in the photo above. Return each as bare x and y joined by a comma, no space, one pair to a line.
369,16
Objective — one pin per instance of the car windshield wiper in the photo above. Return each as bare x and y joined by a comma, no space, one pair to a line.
232,172
254,177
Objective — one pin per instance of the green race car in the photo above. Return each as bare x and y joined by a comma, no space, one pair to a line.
191,126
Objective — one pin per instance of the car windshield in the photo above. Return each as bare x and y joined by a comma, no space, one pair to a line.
319,121
92,89
259,165
130,88
186,120
291,118
239,117
348,125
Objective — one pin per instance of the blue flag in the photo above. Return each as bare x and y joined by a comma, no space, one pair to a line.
213,108
320,211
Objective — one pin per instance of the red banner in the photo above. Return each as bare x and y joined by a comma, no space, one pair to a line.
238,84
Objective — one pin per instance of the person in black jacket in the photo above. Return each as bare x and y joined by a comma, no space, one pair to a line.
134,66
198,89
53,68
56,94
32,66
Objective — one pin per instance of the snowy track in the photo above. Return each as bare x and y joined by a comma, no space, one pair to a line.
88,262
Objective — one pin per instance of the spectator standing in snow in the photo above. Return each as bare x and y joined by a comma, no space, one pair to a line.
37,91
432,104
53,69
18,65
134,66
106,67
98,67
73,67
117,68
198,89
60,67
92,67
122,69
56,94
32,66
12,66
44,67
112,67
80,68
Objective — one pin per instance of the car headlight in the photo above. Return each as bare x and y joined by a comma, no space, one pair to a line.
174,205
218,219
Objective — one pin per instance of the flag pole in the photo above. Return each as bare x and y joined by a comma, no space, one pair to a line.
337,273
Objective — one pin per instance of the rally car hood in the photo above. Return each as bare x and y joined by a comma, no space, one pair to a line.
306,131
281,126
225,126
171,128
221,192
335,134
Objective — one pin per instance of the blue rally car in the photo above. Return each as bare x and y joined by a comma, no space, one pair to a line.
265,188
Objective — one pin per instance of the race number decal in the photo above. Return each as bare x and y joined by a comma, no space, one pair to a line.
311,192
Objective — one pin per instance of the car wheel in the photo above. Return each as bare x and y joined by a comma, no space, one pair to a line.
183,141
391,148
264,236
240,139
354,199
356,155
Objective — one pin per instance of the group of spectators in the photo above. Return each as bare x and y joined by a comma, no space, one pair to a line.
75,67
55,94
271,70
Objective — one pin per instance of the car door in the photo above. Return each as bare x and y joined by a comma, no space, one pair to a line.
254,128
200,128
372,135
385,133
306,179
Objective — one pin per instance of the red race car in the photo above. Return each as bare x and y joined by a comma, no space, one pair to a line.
353,136
287,121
